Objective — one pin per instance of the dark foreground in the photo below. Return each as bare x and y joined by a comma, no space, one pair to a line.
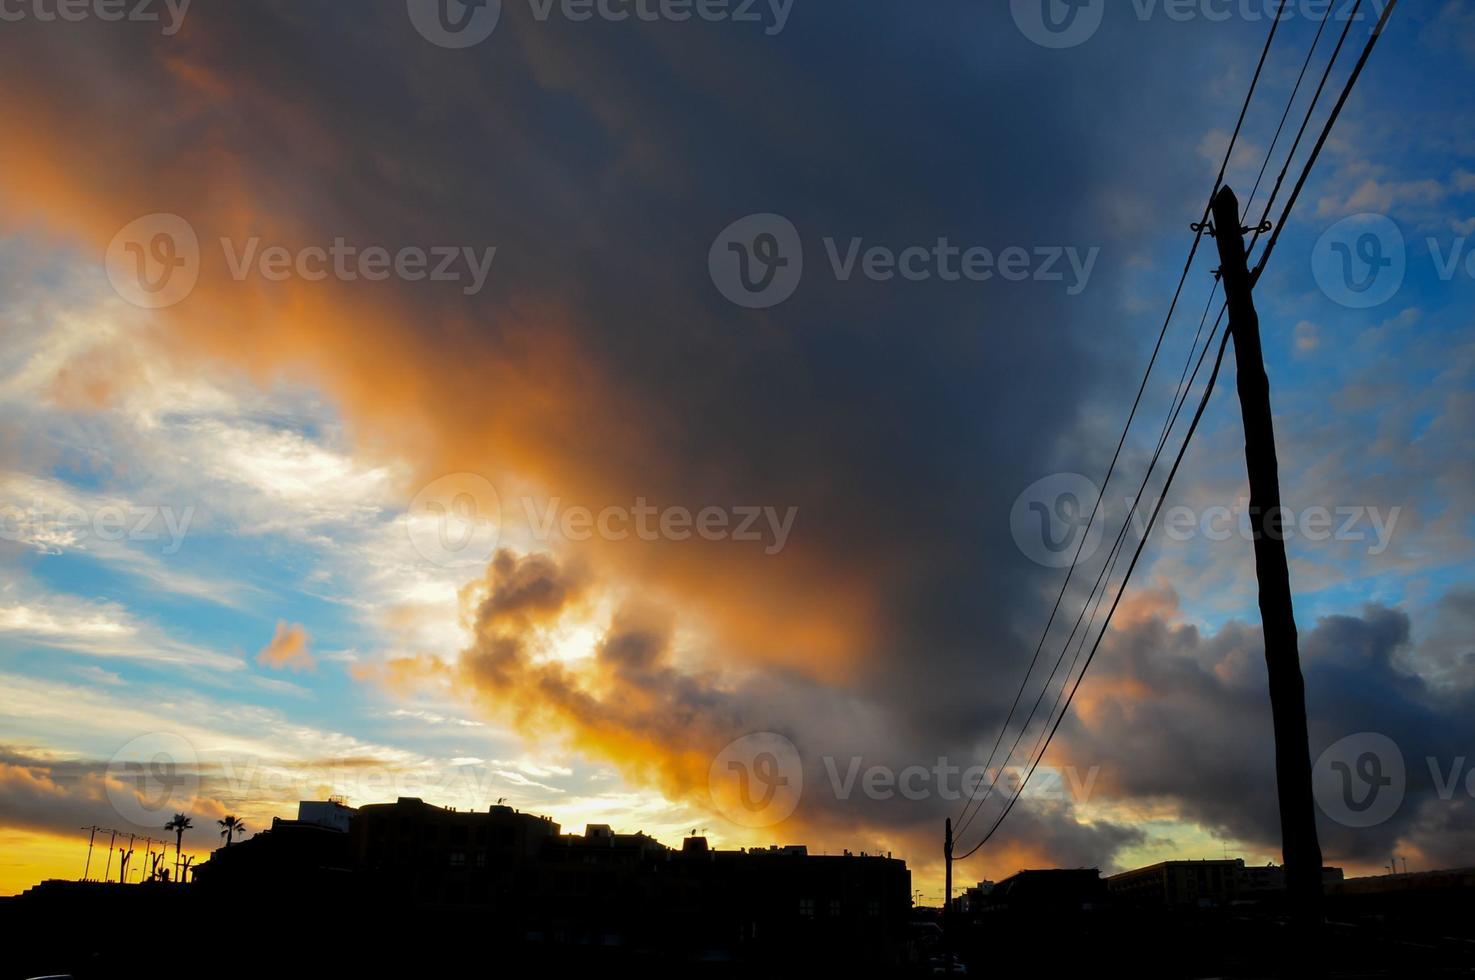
111,931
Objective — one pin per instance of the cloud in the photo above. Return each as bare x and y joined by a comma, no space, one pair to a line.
661,718
101,629
1307,337
57,797
287,649
1175,715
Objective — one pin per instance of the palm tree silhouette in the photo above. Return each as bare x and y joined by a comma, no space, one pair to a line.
179,825
231,826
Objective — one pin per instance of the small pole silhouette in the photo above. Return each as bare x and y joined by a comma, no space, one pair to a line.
947,896
148,855
107,875
91,839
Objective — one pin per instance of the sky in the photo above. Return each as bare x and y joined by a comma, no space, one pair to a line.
674,422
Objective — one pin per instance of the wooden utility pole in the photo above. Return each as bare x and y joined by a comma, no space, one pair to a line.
1299,846
947,895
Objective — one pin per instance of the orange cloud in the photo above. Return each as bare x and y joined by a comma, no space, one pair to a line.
629,704
511,392
287,649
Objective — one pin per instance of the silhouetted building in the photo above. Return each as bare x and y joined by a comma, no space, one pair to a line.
291,853
1452,882
1196,884
1048,890
332,813
1202,884
974,898
430,855
527,885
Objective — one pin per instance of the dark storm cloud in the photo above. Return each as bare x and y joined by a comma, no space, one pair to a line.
1173,714
900,418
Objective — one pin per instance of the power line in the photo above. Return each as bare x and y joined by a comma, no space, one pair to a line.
1326,133
1193,427
1306,122
1116,550
1290,104
1131,416
1098,592
1121,590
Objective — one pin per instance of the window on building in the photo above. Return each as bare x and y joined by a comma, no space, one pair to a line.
458,859
806,908
834,908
